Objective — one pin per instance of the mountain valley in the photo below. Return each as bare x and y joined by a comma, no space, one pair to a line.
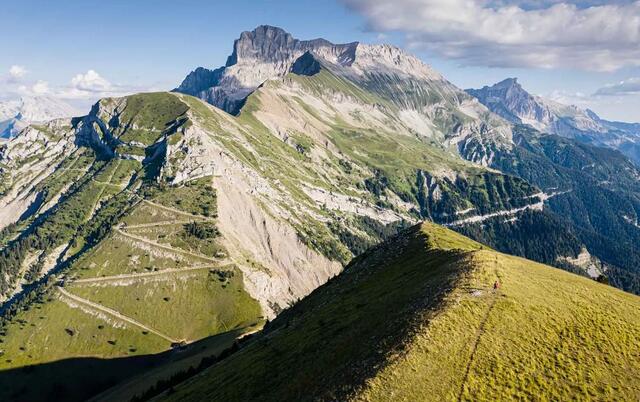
315,189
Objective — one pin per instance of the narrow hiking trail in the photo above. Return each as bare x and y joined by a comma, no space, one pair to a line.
495,293
480,332
114,313
165,247
177,211
143,275
95,205
156,224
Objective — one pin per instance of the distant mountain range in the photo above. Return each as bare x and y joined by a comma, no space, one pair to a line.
511,101
17,114
143,238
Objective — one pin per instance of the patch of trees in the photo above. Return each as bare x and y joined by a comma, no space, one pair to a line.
603,190
201,230
375,230
537,236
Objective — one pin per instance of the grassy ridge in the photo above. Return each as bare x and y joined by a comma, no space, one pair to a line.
417,319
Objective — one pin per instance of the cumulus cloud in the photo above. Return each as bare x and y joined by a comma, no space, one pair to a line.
40,88
587,34
91,85
16,72
91,81
37,89
630,86
81,90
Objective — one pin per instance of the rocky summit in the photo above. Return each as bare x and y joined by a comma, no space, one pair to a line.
511,101
315,190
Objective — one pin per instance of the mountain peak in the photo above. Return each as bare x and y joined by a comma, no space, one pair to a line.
273,44
264,53
508,83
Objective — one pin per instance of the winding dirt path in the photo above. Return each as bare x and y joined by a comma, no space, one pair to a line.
481,330
165,247
114,313
95,206
474,349
177,211
143,275
156,224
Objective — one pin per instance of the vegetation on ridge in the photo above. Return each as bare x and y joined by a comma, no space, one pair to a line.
417,318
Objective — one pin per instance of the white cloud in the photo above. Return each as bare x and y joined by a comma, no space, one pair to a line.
629,86
91,85
83,89
91,81
587,34
611,107
16,72
38,88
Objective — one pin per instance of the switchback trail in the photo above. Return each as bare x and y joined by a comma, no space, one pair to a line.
114,313
162,246
177,211
147,274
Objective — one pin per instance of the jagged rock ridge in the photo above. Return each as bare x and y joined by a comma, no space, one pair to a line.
511,101
429,104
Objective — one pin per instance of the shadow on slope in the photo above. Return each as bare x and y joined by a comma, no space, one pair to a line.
79,379
417,318
327,345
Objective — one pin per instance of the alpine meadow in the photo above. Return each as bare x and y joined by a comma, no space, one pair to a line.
320,221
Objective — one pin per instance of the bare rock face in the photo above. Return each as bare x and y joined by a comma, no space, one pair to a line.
512,102
427,101
264,53
306,65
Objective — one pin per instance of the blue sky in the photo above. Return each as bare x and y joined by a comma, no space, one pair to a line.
80,50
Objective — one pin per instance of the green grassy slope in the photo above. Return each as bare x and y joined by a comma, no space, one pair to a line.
134,295
417,319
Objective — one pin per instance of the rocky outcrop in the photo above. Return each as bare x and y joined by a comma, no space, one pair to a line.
28,159
511,101
306,65
264,53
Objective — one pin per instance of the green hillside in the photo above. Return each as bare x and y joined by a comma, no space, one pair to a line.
147,287
417,319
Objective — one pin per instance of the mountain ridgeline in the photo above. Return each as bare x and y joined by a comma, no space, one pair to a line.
511,101
179,221
419,318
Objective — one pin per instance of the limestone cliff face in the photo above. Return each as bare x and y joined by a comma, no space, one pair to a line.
264,53
28,159
430,104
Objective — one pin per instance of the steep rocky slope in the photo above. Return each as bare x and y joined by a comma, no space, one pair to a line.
422,99
509,100
418,318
